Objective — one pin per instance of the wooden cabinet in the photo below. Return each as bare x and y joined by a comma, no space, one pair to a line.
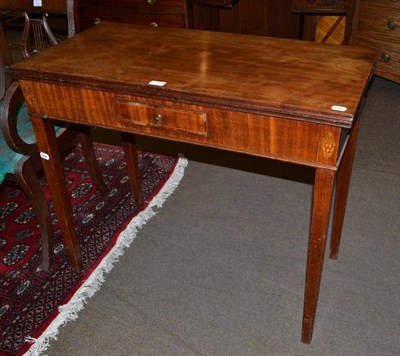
171,13
377,25
254,17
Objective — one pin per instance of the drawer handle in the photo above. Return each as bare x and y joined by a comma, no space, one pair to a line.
386,57
153,24
151,2
158,120
97,21
391,25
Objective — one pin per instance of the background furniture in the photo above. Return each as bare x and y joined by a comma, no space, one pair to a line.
377,25
20,158
256,17
252,17
154,13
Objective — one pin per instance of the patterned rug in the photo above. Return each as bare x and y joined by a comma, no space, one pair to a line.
34,303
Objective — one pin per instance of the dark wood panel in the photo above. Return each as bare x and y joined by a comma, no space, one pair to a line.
281,22
204,17
320,6
253,17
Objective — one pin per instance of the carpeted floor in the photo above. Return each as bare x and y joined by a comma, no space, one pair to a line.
220,269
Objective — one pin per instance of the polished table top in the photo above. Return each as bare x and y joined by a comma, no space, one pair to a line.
300,79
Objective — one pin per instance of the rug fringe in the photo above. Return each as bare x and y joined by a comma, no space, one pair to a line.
70,310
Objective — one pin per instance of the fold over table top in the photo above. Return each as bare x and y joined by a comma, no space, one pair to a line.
297,79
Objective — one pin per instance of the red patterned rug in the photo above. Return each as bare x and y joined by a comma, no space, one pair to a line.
33,303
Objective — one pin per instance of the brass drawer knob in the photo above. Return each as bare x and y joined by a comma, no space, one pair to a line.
153,24
97,21
391,25
158,120
386,57
151,2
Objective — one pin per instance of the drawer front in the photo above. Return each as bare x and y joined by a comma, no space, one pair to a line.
136,5
170,13
220,3
379,22
259,135
92,16
168,120
388,63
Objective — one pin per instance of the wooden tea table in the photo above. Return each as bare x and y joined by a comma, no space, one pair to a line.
279,99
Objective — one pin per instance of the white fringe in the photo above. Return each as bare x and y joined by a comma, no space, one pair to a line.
70,310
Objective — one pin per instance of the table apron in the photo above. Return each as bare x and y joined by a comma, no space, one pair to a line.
287,139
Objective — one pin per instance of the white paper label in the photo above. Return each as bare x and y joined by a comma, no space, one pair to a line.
157,83
338,108
44,155
37,3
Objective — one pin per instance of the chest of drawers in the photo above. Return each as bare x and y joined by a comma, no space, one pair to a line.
171,13
377,25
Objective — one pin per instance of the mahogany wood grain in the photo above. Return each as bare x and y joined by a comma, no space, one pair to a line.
280,99
267,136
323,188
210,68
342,190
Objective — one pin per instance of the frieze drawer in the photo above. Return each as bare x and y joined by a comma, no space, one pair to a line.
170,120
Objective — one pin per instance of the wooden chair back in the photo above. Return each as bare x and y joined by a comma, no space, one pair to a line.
320,6
39,26
310,10
23,164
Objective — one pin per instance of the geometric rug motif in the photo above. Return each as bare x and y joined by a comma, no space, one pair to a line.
34,303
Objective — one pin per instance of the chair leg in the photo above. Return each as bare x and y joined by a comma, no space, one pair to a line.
30,184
